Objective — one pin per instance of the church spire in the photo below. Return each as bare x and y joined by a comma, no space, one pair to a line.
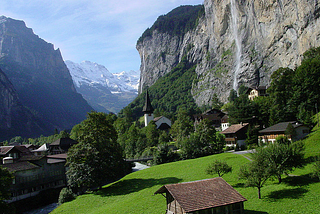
147,108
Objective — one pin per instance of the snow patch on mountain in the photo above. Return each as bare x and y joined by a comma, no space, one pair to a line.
94,75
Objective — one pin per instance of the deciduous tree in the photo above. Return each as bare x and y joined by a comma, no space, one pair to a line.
257,172
283,156
5,182
218,167
98,157
183,126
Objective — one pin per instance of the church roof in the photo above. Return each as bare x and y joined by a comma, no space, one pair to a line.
147,108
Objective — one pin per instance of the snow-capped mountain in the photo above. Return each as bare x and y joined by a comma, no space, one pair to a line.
93,74
103,90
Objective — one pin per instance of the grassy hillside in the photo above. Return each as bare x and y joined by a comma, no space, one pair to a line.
134,193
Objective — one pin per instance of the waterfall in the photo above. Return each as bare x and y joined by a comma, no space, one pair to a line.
237,38
143,71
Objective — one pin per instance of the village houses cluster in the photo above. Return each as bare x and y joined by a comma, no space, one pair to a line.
36,169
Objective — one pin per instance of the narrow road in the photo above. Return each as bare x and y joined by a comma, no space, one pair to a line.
242,153
139,166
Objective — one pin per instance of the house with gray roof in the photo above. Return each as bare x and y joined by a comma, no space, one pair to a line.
299,131
200,197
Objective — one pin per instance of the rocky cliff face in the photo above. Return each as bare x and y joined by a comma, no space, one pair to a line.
39,75
14,117
234,43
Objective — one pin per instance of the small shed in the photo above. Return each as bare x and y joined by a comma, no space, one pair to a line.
201,197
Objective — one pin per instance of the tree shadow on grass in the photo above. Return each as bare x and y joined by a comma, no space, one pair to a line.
238,185
303,180
124,187
287,193
254,212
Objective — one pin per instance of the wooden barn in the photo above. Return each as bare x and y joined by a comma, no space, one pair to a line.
210,196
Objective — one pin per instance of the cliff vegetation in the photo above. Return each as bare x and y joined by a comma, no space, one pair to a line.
177,22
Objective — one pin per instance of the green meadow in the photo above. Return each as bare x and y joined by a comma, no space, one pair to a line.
298,193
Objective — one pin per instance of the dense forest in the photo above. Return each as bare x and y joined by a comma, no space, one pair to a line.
169,93
177,22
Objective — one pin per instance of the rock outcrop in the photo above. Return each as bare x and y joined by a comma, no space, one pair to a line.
39,76
234,43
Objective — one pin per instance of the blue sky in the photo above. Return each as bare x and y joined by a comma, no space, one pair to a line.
101,31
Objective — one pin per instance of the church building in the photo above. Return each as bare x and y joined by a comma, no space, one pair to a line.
161,122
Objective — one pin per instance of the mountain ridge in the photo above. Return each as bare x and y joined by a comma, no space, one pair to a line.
39,76
105,91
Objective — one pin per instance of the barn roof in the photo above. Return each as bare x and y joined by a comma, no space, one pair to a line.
203,194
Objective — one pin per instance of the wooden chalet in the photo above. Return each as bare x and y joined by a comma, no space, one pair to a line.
236,134
257,92
201,197
271,133
15,152
216,116
61,145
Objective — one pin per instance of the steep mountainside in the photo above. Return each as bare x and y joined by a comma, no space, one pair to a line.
104,90
15,118
233,43
39,75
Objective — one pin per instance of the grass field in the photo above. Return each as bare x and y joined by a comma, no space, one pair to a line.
133,194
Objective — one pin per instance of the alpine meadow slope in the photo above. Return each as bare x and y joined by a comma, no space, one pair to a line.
134,193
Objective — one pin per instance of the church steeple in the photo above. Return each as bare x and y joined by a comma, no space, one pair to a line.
148,110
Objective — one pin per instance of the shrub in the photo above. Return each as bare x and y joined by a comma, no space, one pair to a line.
66,195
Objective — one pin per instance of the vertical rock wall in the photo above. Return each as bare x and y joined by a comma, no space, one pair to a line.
271,34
